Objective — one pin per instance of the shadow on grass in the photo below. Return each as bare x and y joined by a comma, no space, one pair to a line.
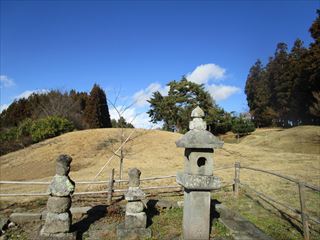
214,215
93,215
283,214
151,211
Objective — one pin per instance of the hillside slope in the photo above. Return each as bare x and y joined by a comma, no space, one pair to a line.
302,139
154,152
90,150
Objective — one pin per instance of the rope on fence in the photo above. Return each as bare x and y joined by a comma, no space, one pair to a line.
83,193
83,182
222,168
24,182
316,188
22,194
156,178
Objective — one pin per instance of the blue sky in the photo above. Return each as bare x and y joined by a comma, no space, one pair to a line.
136,47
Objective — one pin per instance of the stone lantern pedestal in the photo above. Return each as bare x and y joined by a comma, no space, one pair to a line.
197,177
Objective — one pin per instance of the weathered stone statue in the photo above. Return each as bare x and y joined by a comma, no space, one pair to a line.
197,178
135,223
58,218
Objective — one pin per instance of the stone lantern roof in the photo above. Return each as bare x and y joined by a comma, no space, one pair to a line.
198,136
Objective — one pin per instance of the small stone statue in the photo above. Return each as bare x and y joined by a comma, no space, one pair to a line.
58,219
135,223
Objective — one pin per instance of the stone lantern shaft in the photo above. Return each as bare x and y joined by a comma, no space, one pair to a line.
197,177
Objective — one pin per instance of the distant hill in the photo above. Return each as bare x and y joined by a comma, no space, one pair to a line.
302,139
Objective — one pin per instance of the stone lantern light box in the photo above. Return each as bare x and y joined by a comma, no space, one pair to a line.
199,146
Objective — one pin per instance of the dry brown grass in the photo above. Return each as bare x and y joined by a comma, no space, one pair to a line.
293,152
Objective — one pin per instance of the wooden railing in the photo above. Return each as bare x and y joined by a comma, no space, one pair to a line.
301,189
110,186
110,190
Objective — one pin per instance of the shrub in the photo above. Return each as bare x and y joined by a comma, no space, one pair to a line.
50,127
242,126
8,134
24,128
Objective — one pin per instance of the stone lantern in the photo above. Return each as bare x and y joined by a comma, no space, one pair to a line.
197,178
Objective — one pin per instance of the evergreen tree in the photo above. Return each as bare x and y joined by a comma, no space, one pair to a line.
279,84
175,109
258,96
299,91
313,68
285,92
242,126
121,123
96,111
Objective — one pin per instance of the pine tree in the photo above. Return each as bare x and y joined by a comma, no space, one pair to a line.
97,112
175,109
299,90
286,91
258,95
313,68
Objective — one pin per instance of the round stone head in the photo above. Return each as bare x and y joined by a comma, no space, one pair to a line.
134,177
63,165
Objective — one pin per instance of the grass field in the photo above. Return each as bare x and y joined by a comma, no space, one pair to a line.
293,152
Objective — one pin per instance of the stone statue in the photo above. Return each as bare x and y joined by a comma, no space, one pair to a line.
59,218
135,225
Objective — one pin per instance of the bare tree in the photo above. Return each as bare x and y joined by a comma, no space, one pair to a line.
123,150
59,103
123,139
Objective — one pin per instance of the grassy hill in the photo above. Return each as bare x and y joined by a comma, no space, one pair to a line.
303,139
293,152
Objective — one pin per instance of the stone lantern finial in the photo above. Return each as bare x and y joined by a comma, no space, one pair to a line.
197,113
198,136
197,122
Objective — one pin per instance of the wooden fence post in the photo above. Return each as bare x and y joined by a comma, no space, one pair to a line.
110,187
236,179
304,215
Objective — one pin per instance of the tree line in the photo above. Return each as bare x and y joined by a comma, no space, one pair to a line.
45,115
286,91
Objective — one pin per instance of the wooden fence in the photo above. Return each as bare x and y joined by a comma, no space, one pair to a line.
110,190
110,184
301,189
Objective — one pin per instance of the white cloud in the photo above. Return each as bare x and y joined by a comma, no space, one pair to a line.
6,81
3,107
222,92
205,72
140,98
27,93
138,117
202,75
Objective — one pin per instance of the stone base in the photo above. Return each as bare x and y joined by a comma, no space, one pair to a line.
132,233
58,204
196,215
57,223
57,236
136,220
